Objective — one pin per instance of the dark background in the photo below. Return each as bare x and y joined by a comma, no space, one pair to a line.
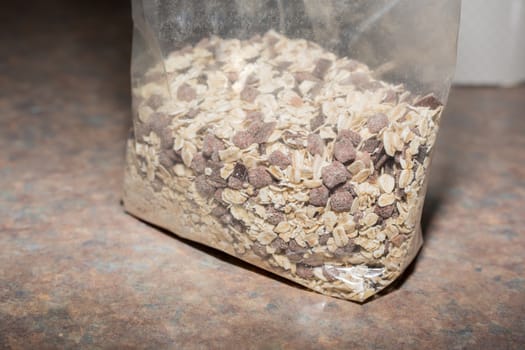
55,52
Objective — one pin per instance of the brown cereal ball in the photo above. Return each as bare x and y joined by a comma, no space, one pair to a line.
319,196
341,201
334,174
259,177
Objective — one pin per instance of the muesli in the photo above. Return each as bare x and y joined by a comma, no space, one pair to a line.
279,152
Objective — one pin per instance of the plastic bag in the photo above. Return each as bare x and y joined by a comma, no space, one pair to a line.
295,135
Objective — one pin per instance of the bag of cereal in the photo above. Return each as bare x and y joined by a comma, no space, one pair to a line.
295,135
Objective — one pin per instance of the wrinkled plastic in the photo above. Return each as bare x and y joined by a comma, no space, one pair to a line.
295,135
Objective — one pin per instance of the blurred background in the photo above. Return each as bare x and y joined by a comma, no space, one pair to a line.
491,47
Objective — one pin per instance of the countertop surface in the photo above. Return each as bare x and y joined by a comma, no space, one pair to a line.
77,272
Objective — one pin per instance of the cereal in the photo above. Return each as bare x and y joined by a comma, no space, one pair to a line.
344,150
319,196
242,139
385,211
249,94
317,121
235,183
211,145
353,136
405,177
370,145
279,159
274,217
334,174
203,186
186,93
321,67
386,183
198,163
304,271
377,122
239,172
259,177
309,168
261,131
315,144
341,201
429,101
386,199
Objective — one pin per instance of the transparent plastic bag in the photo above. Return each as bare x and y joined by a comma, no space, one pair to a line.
295,135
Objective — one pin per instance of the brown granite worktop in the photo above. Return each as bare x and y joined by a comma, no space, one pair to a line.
77,272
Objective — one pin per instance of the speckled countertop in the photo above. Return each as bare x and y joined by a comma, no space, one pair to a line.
77,272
